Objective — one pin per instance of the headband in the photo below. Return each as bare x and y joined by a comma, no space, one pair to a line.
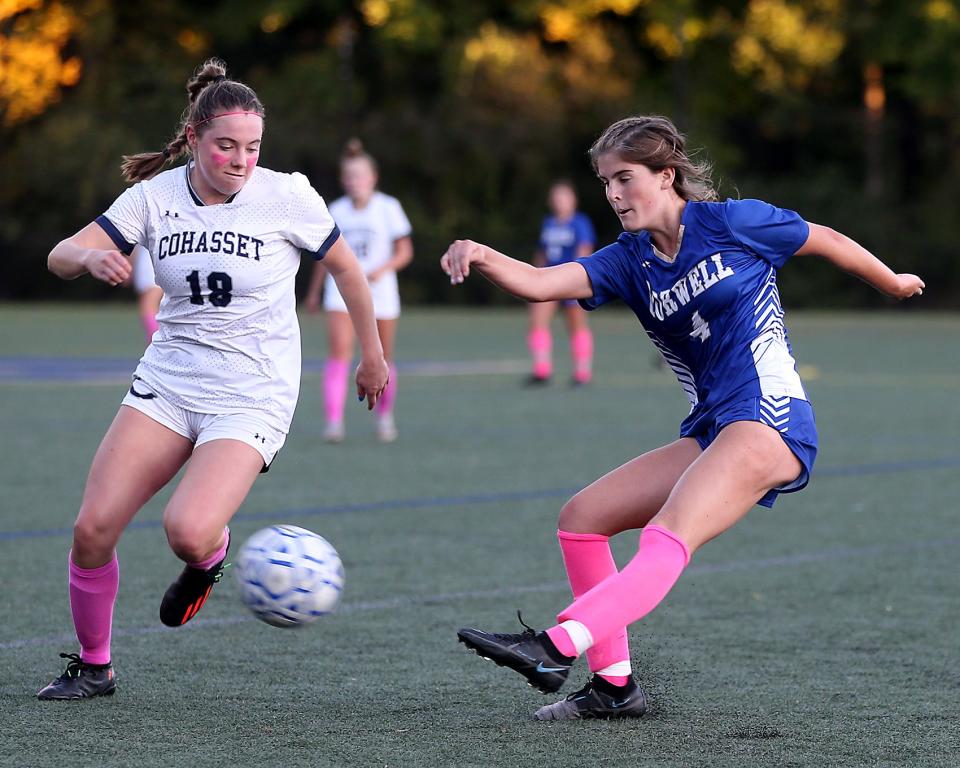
224,114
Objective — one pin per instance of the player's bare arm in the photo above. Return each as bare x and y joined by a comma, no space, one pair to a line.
525,281
311,301
89,251
584,250
401,258
850,256
372,373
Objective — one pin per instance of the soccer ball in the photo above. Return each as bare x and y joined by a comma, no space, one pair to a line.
289,576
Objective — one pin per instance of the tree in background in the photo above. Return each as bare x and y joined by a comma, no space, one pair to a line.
34,65
847,110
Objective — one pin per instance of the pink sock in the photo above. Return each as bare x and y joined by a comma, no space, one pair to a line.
216,557
389,396
335,374
581,349
540,344
93,592
559,637
588,561
620,600
150,326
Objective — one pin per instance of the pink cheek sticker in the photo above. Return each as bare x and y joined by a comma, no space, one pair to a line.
252,162
218,159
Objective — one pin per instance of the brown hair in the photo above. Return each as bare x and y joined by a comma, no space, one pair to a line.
353,149
211,92
655,142
563,183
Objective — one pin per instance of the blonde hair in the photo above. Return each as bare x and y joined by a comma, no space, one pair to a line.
210,92
655,142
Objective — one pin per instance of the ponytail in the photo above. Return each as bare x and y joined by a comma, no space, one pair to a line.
210,92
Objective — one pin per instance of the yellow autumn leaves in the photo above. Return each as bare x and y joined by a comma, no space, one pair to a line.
33,67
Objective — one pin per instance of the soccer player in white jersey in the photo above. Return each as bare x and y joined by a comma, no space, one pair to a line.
701,277
149,294
378,231
215,391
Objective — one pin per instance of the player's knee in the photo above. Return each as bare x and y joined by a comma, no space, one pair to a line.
189,542
93,535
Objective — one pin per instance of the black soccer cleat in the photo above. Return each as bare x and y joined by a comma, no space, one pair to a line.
187,595
530,653
80,681
597,700
533,381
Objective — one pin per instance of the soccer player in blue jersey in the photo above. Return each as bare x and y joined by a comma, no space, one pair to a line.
566,234
701,277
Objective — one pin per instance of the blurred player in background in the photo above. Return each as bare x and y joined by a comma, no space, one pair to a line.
216,389
149,294
566,234
378,231
701,277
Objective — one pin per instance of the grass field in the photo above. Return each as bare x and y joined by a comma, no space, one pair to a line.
825,632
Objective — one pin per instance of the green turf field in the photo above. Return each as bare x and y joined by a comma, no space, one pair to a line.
823,633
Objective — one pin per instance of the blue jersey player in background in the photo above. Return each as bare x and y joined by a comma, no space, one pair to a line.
566,234
701,277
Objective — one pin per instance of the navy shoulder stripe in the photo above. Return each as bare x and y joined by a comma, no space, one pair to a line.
118,240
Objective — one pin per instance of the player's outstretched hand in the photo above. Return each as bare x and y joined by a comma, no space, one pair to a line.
458,258
109,266
372,378
908,285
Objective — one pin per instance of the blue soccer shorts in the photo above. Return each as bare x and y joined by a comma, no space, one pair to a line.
791,417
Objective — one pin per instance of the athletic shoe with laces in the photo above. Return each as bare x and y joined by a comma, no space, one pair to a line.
530,653
80,681
386,428
534,381
187,595
334,432
598,699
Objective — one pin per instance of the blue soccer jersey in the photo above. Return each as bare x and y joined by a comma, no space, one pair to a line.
559,240
714,312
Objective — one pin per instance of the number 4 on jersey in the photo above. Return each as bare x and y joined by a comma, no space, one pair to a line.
701,328
219,283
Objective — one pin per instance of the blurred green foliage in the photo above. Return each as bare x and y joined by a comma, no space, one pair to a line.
845,110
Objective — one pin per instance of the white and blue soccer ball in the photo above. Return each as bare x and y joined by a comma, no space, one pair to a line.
289,576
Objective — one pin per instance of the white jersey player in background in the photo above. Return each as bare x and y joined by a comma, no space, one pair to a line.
149,294
216,389
378,231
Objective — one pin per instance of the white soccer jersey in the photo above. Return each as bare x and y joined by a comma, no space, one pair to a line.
143,279
371,232
228,340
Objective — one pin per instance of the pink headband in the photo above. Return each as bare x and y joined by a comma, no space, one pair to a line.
224,114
